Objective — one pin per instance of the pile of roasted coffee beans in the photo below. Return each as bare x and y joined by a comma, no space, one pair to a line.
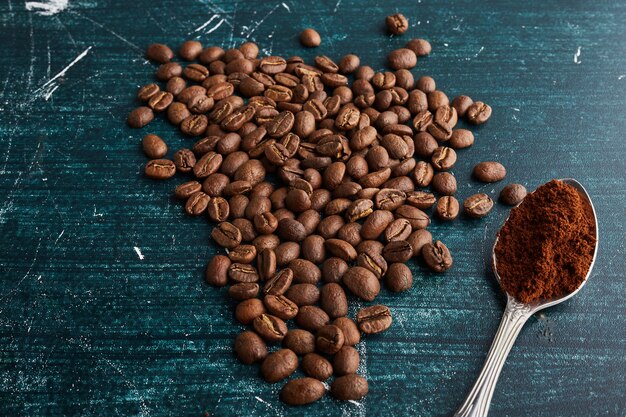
316,184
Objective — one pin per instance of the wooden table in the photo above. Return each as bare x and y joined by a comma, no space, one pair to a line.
103,309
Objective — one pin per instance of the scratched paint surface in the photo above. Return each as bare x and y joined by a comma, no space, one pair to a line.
103,310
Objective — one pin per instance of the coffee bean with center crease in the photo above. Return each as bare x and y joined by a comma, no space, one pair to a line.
417,218
397,24
266,263
226,235
443,158
243,291
362,283
186,189
349,387
301,391
218,209
194,125
329,339
248,310
399,229
140,117
333,300
280,306
160,169
299,341
238,272
341,249
270,328
437,256
265,223
478,113
207,165
249,347
147,91
477,205
185,160
376,223
279,283
398,251
217,271
374,319
489,171
291,230
244,254
447,208
311,318
423,174
197,203
375,262
513,194
421,199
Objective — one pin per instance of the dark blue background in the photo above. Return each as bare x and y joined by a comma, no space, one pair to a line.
88,328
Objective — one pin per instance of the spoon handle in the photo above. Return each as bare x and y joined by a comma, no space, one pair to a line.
479,398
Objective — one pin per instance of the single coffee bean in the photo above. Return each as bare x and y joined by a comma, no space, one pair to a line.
299,341
489,171
376,223
286,252
398,229
329,339
512,194
421,47
280,306
154,147
373,261
279,365
313,249
248,310
177,112
349,387
160,101
301,391
425,144
437,256
279,283
397,24
333,269
436,99
146,92
389,199
418,239
207,165
422,120
243,273
461,104
421,199
333,300
351,233
423,174
460,139
311,318
159,52
291,230
160,169
351,333
398,277
303,294
443,158
185,160
444,183
362,283
197,203
402,58
218,209
194,125
270,328
217,271
447,208
478,205
316,366
374,319
266,263
190,50
346,361
250,348
168,70
478,113
417,218
245,226
244,254
341,249
226,235
243,291
349,63
397,251
140,117
186,189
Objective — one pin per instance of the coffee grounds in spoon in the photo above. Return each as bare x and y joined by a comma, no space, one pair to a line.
545,248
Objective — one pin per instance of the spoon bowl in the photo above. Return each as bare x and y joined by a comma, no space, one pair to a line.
513,319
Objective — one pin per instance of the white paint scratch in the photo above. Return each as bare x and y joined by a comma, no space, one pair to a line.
59,237
205,24
337,6
214,28
286,7
261,400
577,56
139,254
49,86
482,48
95,212
47,8
515,109
621,77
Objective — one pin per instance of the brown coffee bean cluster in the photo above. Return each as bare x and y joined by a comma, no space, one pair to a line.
317,186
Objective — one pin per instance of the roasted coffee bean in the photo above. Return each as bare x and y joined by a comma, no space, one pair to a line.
329,339
437,256
218,209
190,50
313,249
477,205
512,194
279,365
349,387
250,348
447,208
168,70
146,92
310,219
417,218
238,272
280,306
286,252
489,171
425,145
160,169
398,277
305,271
351,333
374,319
244,254
422,120
299,341
159,52
291,230
244,291
443,158
245,226
421,199
207,165
444,183
140,117
436,99
303,294
346,361
238,187
248,310
226,235
279,283
311,318
347,118
270,328
210,54
185,190
376,223
177,112
349,63
194,125
197,203
397,24
460,139
373,261
461,104
329,226
362,283
154,147
478,113
397,251
395,145
265,223
402,58
316,366
237,205
341,249
421,47
333,269
217,271
301,391
333,300
423,174
398,229
351,233
389,199
185,160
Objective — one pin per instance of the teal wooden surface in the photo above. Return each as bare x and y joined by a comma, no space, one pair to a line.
89,327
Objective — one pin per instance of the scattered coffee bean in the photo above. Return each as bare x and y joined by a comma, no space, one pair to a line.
513,194
270,328
478,113
421,47
349,387
279,365
447,208
477,205
140,117
160,53
310,38
489,171
374,319
154,147
398,277
329,339
250,348
302,391
316,366
160,169
437,256
299,341
397,24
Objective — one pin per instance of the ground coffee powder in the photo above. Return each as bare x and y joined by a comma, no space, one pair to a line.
545,248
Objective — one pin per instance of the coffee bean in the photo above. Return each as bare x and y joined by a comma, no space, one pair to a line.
329,339
270,328
478,205
436,99
478,113
159,52
397,24
160,101
461,104
373,261
421,47
244,254
299,341
280,306
305,271
184,159
376,223
333,300
443,158
313,249
389,199
398,251
316,366
185,190
154,147
248,310
279,365
402,58
217,271
291,230
333,269
194,125
140,117
349,63
207,165
177,113
399,277
218,209
250,348
460,139
418,239
302,391
423,173
311,318
489,171
399,229
349,387
197,203
160,169
447,208
226,235
341,249
347,118
513,194
243,291
238,272
444,183
417,218
286,252
190,50
362,283
374,319
421,199
303,294
443,122
437,256
168,70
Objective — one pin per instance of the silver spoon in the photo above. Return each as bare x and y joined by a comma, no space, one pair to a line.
515,315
